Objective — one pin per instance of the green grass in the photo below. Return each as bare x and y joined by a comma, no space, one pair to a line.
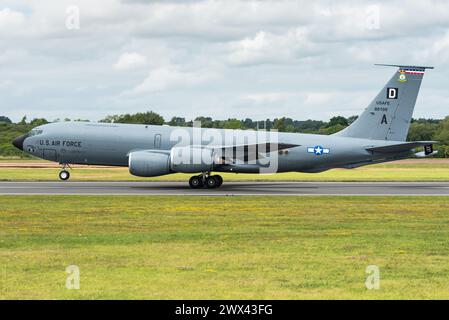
224,247
416,170
381,172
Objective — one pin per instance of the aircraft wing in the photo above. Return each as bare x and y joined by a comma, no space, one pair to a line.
249,152
401,147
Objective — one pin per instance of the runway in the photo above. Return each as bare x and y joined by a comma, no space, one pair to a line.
227,189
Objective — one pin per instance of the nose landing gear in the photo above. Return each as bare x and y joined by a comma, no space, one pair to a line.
64,174
207,180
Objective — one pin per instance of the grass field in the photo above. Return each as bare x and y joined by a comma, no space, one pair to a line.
415,170
224,247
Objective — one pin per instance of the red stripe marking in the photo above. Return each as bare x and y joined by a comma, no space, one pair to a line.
411,72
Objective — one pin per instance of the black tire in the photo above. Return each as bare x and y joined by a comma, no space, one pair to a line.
211,182
219,180
196,182
64,175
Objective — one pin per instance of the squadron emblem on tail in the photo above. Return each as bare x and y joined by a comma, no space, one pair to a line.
402,76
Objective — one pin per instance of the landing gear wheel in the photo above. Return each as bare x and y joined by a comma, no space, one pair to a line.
219,180
211,182
196,182
64,175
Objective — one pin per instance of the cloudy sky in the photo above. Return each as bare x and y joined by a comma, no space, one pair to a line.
258,59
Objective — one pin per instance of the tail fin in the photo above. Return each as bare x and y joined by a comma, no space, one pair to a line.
388,116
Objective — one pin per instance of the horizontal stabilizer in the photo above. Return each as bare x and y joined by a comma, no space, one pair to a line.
423,154
401,147
402,66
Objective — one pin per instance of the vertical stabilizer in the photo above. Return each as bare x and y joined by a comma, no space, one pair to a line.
388,116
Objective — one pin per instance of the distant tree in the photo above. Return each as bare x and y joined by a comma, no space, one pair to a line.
268,124
24,120
288,122
261,125
422,131
219,124
248,124
331,129
4,119
351,119
38,122
149,117
206,122
111,119
233,124
443,137
176,121
308,126
422,120
279,124
339,120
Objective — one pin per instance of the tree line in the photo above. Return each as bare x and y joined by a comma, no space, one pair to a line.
420,129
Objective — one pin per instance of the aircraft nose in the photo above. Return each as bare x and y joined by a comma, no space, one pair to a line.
18,142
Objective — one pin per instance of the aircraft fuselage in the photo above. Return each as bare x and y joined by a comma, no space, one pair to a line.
110,145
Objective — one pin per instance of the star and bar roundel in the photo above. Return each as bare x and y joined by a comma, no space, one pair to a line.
318,150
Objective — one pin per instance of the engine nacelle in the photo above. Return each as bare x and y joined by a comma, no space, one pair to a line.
148,163
191,159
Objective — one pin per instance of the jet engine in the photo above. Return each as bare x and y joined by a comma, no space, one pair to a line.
189,159
148,163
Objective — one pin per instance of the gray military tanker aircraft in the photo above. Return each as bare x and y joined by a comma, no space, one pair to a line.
378,135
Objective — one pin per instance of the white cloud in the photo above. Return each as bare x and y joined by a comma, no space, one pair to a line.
301,104
6,84
319,98
130,61
12,55
225,58
219,20
171,77
10,20
268,97
437,51
268,48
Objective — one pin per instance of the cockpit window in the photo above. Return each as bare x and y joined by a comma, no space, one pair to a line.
35,132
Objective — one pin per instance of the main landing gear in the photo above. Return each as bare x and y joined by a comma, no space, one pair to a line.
207,180
64,174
